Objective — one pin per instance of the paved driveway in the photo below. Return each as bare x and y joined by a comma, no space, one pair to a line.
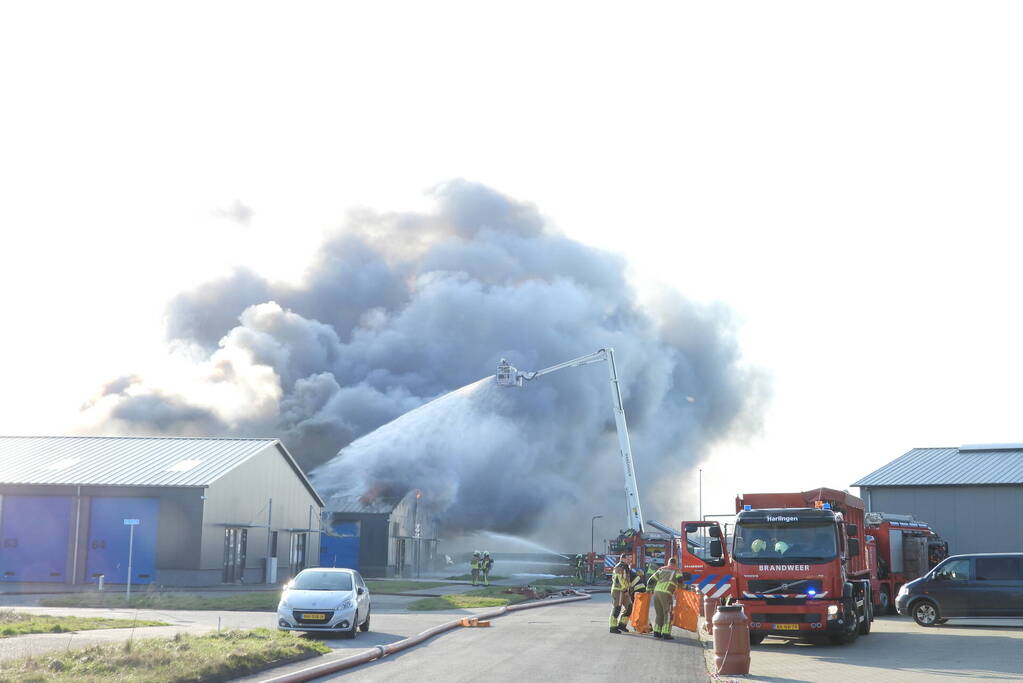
899,650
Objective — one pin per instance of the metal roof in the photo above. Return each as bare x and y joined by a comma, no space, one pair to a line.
984,464
128,460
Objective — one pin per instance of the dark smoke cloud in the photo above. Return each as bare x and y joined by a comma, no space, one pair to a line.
400,308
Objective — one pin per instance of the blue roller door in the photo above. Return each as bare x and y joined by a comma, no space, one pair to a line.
35,535
108,539
340,548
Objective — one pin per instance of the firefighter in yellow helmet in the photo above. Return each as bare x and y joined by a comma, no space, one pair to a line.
476,565
486,562
623,583
664,581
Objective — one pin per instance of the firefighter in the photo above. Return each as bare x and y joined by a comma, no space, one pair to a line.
579,564
475,566
663,582
622,578
485,564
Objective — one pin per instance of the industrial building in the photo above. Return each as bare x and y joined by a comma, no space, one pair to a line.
192,511
381,536
971,495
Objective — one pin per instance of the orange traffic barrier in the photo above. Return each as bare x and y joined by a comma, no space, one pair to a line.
687,609
640,619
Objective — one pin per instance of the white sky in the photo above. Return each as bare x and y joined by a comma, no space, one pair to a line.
845,176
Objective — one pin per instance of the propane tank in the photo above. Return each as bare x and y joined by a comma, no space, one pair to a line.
731,640
709,605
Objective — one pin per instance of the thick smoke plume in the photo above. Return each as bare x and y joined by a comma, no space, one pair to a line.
398,309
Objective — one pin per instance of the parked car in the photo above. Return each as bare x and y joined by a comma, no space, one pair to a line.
983,585
325,599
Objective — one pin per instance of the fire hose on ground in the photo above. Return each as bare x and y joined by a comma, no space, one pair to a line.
379,651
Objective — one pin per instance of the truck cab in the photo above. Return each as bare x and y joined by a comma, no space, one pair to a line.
802,570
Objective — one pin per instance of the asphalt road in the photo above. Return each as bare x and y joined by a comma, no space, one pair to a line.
568,642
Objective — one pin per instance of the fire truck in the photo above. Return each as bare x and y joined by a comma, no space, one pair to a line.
800,564
905,549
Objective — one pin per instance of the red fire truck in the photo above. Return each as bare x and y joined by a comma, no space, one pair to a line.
800,564
905,549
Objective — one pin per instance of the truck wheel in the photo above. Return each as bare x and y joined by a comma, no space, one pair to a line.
925,613
884,601
852,628
868,616
757,637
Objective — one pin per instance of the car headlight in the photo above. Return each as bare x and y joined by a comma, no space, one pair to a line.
347,604
832,610
903,590
283,604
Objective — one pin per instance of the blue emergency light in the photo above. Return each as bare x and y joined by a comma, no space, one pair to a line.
826,506
811,593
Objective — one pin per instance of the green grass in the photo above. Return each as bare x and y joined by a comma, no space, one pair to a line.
559,581
468,577
398,586
213,657
484,597
19,623
246,602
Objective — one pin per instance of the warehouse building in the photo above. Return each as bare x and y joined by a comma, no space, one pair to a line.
381,536
193,511
971,495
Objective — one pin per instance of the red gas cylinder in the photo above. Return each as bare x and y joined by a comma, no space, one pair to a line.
731,640
709,606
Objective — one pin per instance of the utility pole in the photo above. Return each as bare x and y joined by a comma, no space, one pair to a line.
269,521
701,494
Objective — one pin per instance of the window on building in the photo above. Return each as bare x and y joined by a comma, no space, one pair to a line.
235,546
298,554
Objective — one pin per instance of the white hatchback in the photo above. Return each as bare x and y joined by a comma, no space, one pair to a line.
325,599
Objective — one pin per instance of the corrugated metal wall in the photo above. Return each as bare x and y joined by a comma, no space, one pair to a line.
973,519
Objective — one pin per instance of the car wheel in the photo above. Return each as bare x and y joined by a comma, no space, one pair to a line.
925,613
885,604
354,628
757,637
364,626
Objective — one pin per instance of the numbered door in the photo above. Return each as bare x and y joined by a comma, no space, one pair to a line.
236,543
110,537
340,547
34,538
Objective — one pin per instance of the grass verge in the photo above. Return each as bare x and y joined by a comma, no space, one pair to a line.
559,581
245,602
468,577
14,623
398,586
484,597
213,657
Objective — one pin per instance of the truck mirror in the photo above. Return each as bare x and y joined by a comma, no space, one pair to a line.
715,549
854,547
715,532
691,528
851,530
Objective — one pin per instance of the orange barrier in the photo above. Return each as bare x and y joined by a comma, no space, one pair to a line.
687,609
640,619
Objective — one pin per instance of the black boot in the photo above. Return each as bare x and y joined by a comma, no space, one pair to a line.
657,634
667,636
623,628
614,629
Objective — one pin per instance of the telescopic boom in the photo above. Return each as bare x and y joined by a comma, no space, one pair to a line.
509,376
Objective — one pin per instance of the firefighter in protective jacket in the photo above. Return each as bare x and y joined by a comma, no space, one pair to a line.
663,582
476,566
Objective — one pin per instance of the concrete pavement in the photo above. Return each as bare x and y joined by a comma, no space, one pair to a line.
898,650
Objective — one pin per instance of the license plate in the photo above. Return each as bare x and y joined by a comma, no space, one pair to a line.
786,627
314,617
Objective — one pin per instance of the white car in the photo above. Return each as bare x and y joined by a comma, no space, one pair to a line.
325,599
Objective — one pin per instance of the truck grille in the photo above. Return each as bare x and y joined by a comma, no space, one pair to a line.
775,586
